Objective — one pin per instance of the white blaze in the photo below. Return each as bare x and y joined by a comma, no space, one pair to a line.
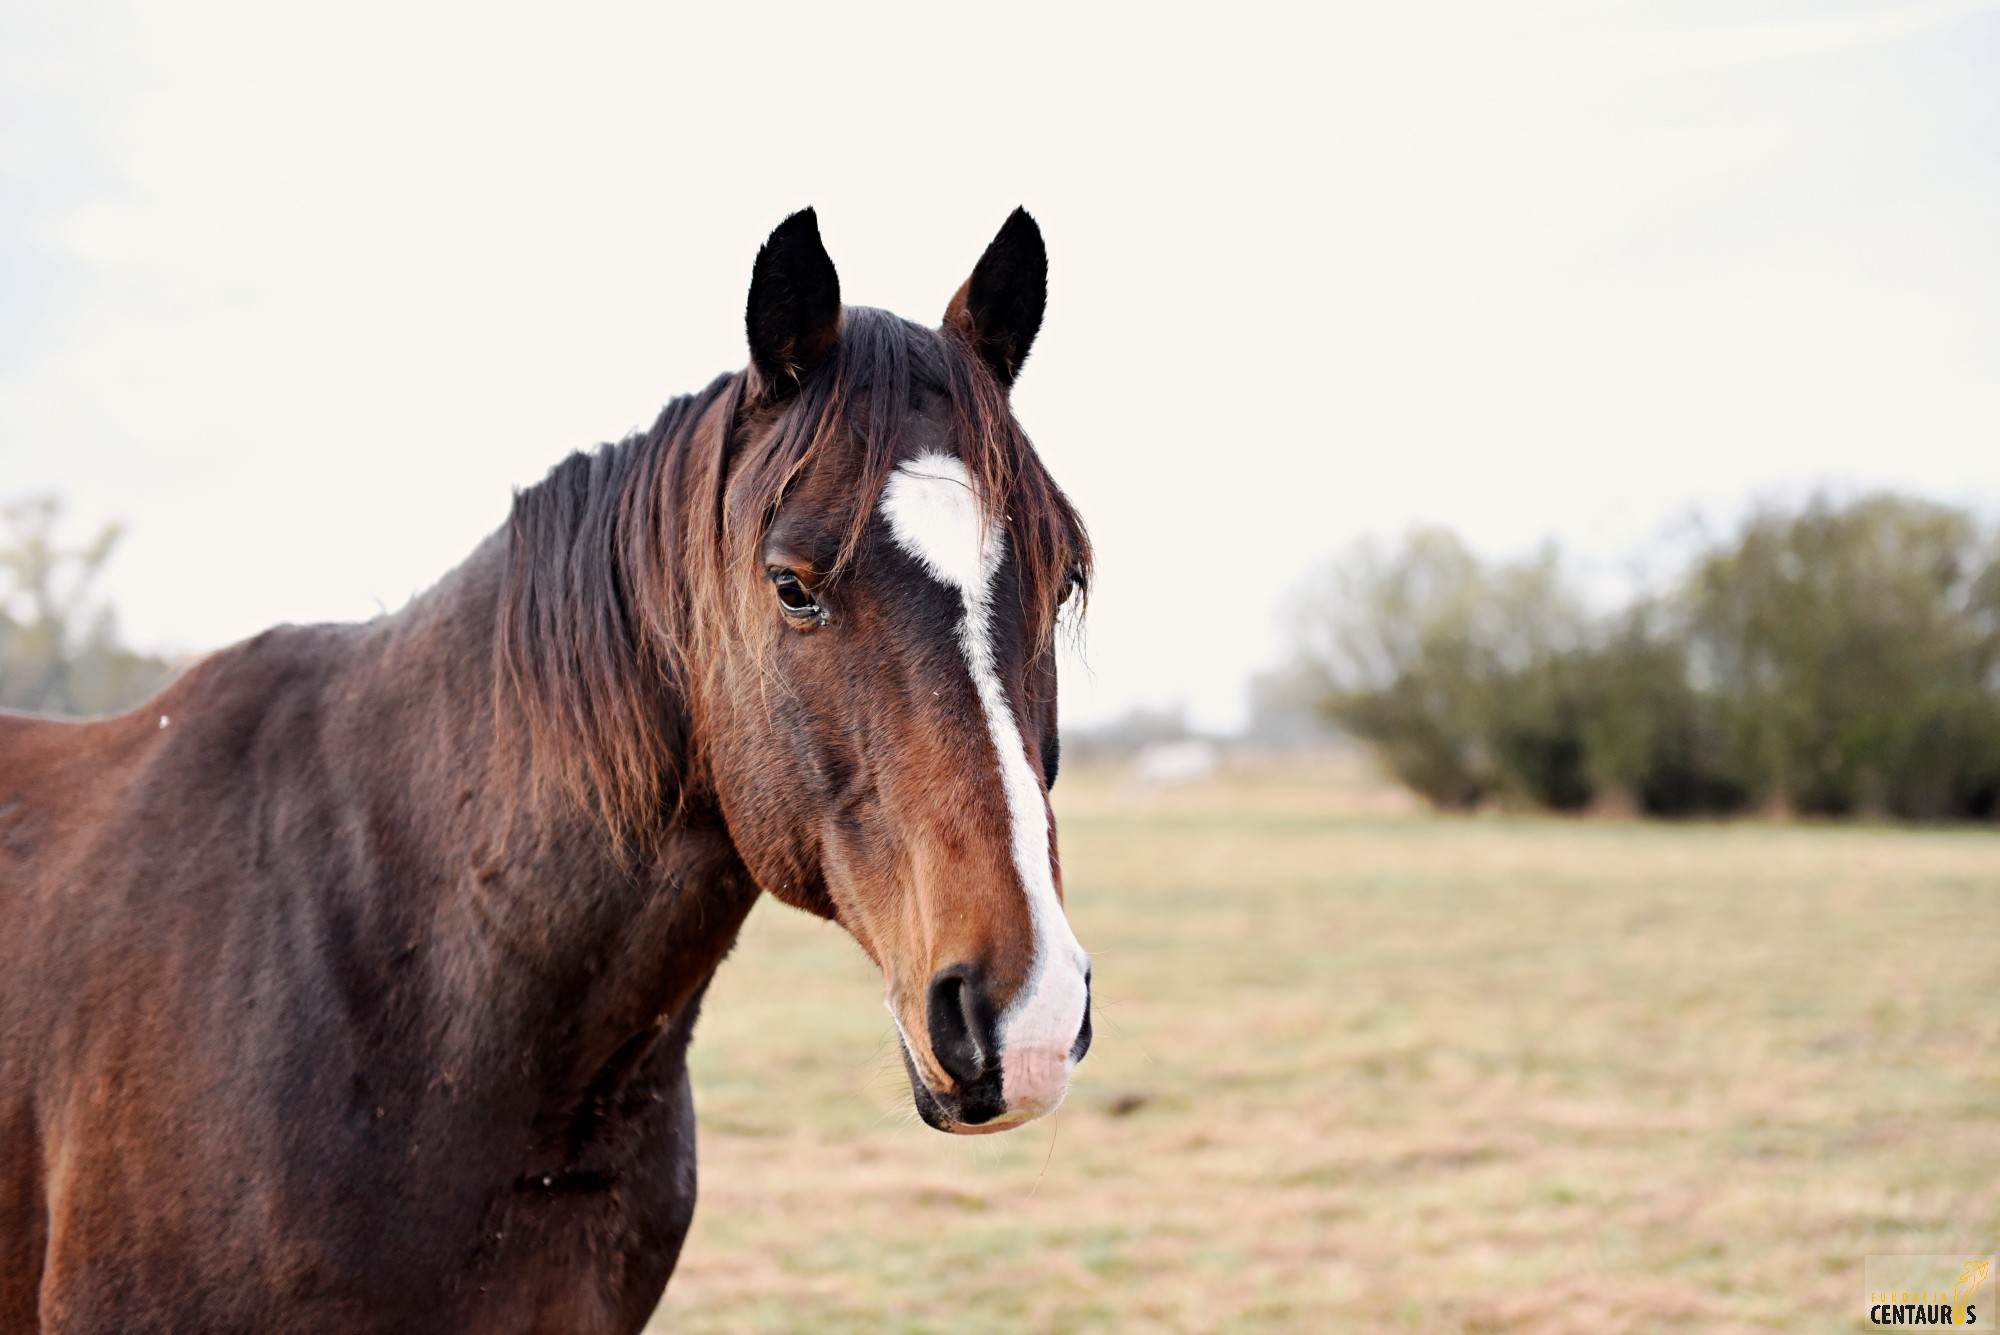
935,515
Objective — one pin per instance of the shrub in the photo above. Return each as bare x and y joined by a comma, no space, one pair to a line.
1854,651
1831,660
1463,678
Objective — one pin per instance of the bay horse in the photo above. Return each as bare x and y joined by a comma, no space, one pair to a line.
347,984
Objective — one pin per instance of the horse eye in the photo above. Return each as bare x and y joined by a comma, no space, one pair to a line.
795,597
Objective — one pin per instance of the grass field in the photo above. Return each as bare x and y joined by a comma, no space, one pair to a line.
1359,1069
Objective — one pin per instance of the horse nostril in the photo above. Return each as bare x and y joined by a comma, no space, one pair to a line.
961,1025
1082,1044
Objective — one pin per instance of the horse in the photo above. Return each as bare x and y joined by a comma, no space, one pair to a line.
347,984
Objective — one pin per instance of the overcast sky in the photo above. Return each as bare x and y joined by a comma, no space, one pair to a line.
303,293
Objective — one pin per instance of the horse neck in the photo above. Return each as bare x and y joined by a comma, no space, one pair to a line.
553,938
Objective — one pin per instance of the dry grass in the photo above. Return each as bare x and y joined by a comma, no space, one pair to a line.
1365,1070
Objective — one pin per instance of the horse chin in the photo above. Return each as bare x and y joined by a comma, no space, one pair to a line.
1004,1122
947,1112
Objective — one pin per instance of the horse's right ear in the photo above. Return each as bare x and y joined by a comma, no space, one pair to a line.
999,310
794,313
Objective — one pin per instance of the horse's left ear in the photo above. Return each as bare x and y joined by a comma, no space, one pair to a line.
999,310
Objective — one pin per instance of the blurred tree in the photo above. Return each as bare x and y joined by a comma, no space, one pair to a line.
1464,679
1542,687
1652,737
59,649
1390,637
1854,650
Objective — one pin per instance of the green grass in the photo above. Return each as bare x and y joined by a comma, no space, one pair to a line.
1365,1070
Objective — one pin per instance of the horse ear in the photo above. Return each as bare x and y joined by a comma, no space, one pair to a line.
793,317
999,310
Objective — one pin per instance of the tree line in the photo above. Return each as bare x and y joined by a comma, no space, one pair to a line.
1826,658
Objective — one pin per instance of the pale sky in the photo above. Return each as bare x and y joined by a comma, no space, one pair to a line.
302,293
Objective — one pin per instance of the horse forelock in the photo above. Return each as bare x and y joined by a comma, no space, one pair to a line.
626,606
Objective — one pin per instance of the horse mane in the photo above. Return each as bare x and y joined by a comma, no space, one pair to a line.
623,594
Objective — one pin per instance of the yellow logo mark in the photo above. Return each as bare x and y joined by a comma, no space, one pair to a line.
1969,1280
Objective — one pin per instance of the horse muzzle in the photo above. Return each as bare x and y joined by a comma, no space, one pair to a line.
1004,1068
